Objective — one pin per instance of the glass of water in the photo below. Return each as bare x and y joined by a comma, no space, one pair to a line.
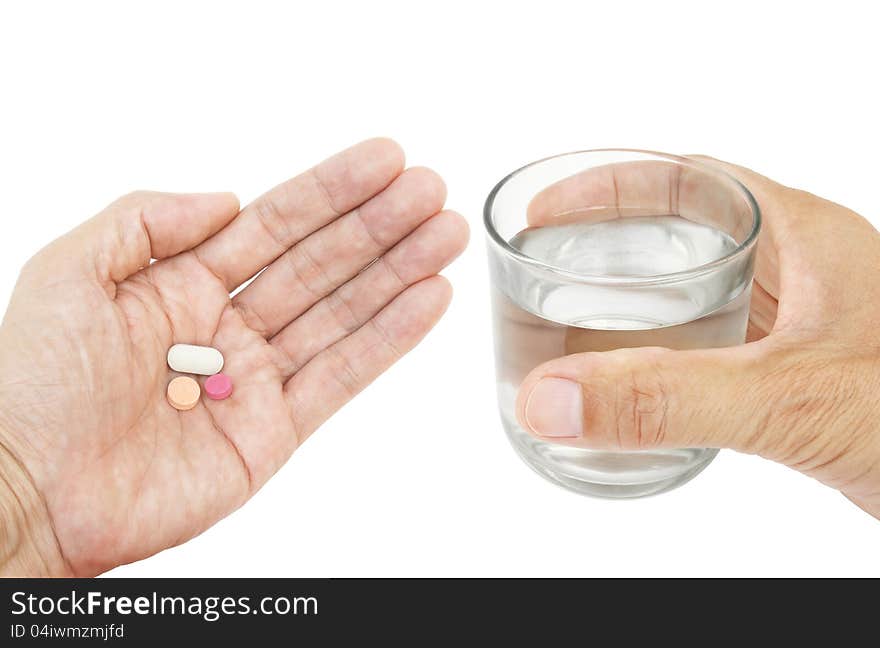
599,250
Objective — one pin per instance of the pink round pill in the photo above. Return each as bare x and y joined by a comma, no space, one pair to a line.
218,386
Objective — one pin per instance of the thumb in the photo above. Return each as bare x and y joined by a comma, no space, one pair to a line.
140,226
635,399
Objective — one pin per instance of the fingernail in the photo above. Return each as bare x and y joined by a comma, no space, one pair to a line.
555,408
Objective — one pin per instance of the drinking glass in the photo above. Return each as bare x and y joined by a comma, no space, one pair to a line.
604,249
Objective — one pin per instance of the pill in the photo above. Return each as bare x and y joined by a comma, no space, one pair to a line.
183,393
218,386
188,358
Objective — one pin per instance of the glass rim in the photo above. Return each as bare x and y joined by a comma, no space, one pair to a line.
669,277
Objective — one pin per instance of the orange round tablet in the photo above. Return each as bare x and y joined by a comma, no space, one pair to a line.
183,393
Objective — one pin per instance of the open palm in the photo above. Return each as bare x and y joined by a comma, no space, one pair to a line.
352,247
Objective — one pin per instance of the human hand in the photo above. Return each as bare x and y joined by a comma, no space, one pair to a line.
96,468
803,391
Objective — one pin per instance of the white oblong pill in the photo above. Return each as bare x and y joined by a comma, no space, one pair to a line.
189,358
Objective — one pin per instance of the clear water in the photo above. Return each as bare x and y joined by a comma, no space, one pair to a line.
536,321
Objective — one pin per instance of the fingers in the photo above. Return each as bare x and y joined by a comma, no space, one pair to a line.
702,194
641,188
655,187
338,373
769,195
800,256
138,227
277,220
635,399
319,264
422,254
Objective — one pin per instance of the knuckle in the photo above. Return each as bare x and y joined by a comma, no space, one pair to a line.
329,187
343,312
346,375
273,222
386,339
641,409
308,271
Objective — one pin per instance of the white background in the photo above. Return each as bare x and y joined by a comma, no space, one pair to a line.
415,477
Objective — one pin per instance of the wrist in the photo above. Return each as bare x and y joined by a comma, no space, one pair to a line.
28,546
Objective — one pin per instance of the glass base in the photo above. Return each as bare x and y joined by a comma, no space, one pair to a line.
616,475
